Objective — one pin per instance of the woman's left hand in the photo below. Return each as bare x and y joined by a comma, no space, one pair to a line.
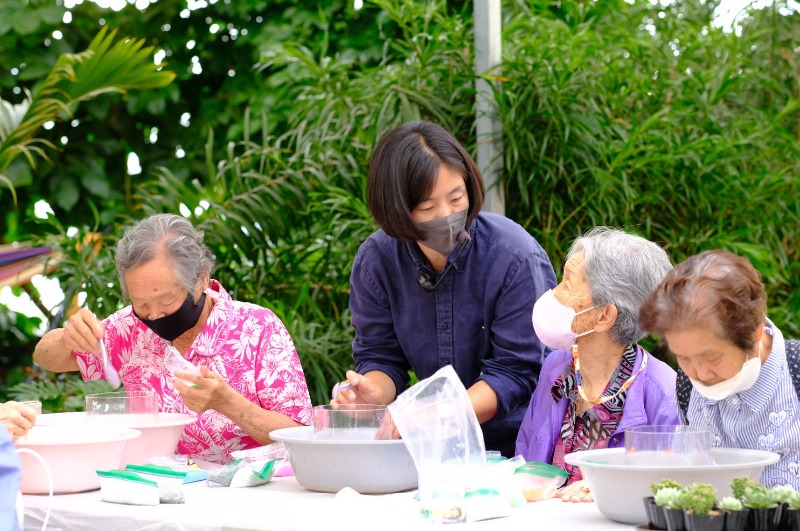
212,390
576,493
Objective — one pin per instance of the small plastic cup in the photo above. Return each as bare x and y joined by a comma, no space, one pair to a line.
668,446
539,481
33,404
106,406
354,422
174,362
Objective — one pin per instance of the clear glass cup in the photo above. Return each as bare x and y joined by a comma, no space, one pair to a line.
349,421
106,406
668,446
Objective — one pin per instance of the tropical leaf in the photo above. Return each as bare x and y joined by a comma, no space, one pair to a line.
106,66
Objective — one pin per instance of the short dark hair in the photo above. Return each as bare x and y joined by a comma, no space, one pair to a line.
403,172
714,288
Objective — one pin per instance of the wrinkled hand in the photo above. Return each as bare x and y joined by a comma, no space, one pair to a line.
83,332
362,391
576,493
212,390
17,418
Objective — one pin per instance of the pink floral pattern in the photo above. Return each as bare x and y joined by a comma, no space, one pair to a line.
244,343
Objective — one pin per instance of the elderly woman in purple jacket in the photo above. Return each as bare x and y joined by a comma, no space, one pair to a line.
598,381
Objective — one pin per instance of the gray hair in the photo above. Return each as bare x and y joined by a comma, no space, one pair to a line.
171,236
621,269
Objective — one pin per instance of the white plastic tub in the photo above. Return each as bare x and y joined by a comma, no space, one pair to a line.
160,432
73,454
619,488
329,465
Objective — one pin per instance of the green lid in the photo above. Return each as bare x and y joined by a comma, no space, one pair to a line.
537,468
126,476
156,470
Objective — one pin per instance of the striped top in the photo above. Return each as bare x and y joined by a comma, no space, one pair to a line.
764,417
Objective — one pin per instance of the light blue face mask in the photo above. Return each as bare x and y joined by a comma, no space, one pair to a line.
441,234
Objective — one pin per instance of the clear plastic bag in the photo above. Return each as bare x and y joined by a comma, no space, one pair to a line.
438,424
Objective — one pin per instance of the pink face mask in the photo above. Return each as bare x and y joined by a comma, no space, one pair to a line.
552,322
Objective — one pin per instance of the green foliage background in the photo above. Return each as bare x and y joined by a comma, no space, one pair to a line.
615,113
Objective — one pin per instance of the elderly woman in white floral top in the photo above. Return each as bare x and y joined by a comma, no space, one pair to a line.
250,381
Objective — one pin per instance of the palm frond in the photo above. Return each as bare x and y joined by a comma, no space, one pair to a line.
105,66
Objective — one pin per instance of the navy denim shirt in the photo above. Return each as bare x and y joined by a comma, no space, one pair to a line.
478,319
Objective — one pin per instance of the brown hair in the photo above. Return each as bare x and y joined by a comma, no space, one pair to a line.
713,288
403,172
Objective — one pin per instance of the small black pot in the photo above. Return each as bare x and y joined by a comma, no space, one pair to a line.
790,518
675,519
655,515
705,522
764,519
736,520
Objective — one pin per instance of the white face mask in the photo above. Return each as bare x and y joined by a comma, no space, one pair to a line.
744,380
552,322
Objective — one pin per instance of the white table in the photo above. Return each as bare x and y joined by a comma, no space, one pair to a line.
283,504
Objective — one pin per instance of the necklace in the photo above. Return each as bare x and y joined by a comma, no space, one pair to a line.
576,359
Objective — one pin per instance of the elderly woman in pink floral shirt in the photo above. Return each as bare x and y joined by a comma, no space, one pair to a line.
251,380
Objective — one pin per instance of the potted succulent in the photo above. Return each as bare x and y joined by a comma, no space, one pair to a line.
655,514
764,510
670,501
699,501
792,513
735,513
782,494
739,484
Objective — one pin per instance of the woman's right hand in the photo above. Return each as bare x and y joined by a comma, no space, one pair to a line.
362,391
83,332
17,418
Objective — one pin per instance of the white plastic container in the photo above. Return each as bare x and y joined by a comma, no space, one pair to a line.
159,433
73,454
329,465
619,487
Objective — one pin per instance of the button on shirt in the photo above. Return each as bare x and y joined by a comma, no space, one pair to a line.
478,319
764,417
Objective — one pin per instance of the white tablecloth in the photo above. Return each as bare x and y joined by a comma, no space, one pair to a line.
283,504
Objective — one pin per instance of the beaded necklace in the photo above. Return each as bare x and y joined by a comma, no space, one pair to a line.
576,359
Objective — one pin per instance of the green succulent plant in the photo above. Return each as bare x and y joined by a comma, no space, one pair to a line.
669,498
739,484
758,497
794,501
699,498
782,493
729,503
664,483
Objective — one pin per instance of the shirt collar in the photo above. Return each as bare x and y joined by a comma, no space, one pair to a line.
214,334
771,371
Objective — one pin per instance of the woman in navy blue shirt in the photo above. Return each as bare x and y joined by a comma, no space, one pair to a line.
442,283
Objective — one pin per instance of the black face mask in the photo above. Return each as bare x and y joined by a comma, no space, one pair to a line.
173,325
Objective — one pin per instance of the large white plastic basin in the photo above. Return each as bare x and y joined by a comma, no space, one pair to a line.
73,454
160,433
329,465
618,488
